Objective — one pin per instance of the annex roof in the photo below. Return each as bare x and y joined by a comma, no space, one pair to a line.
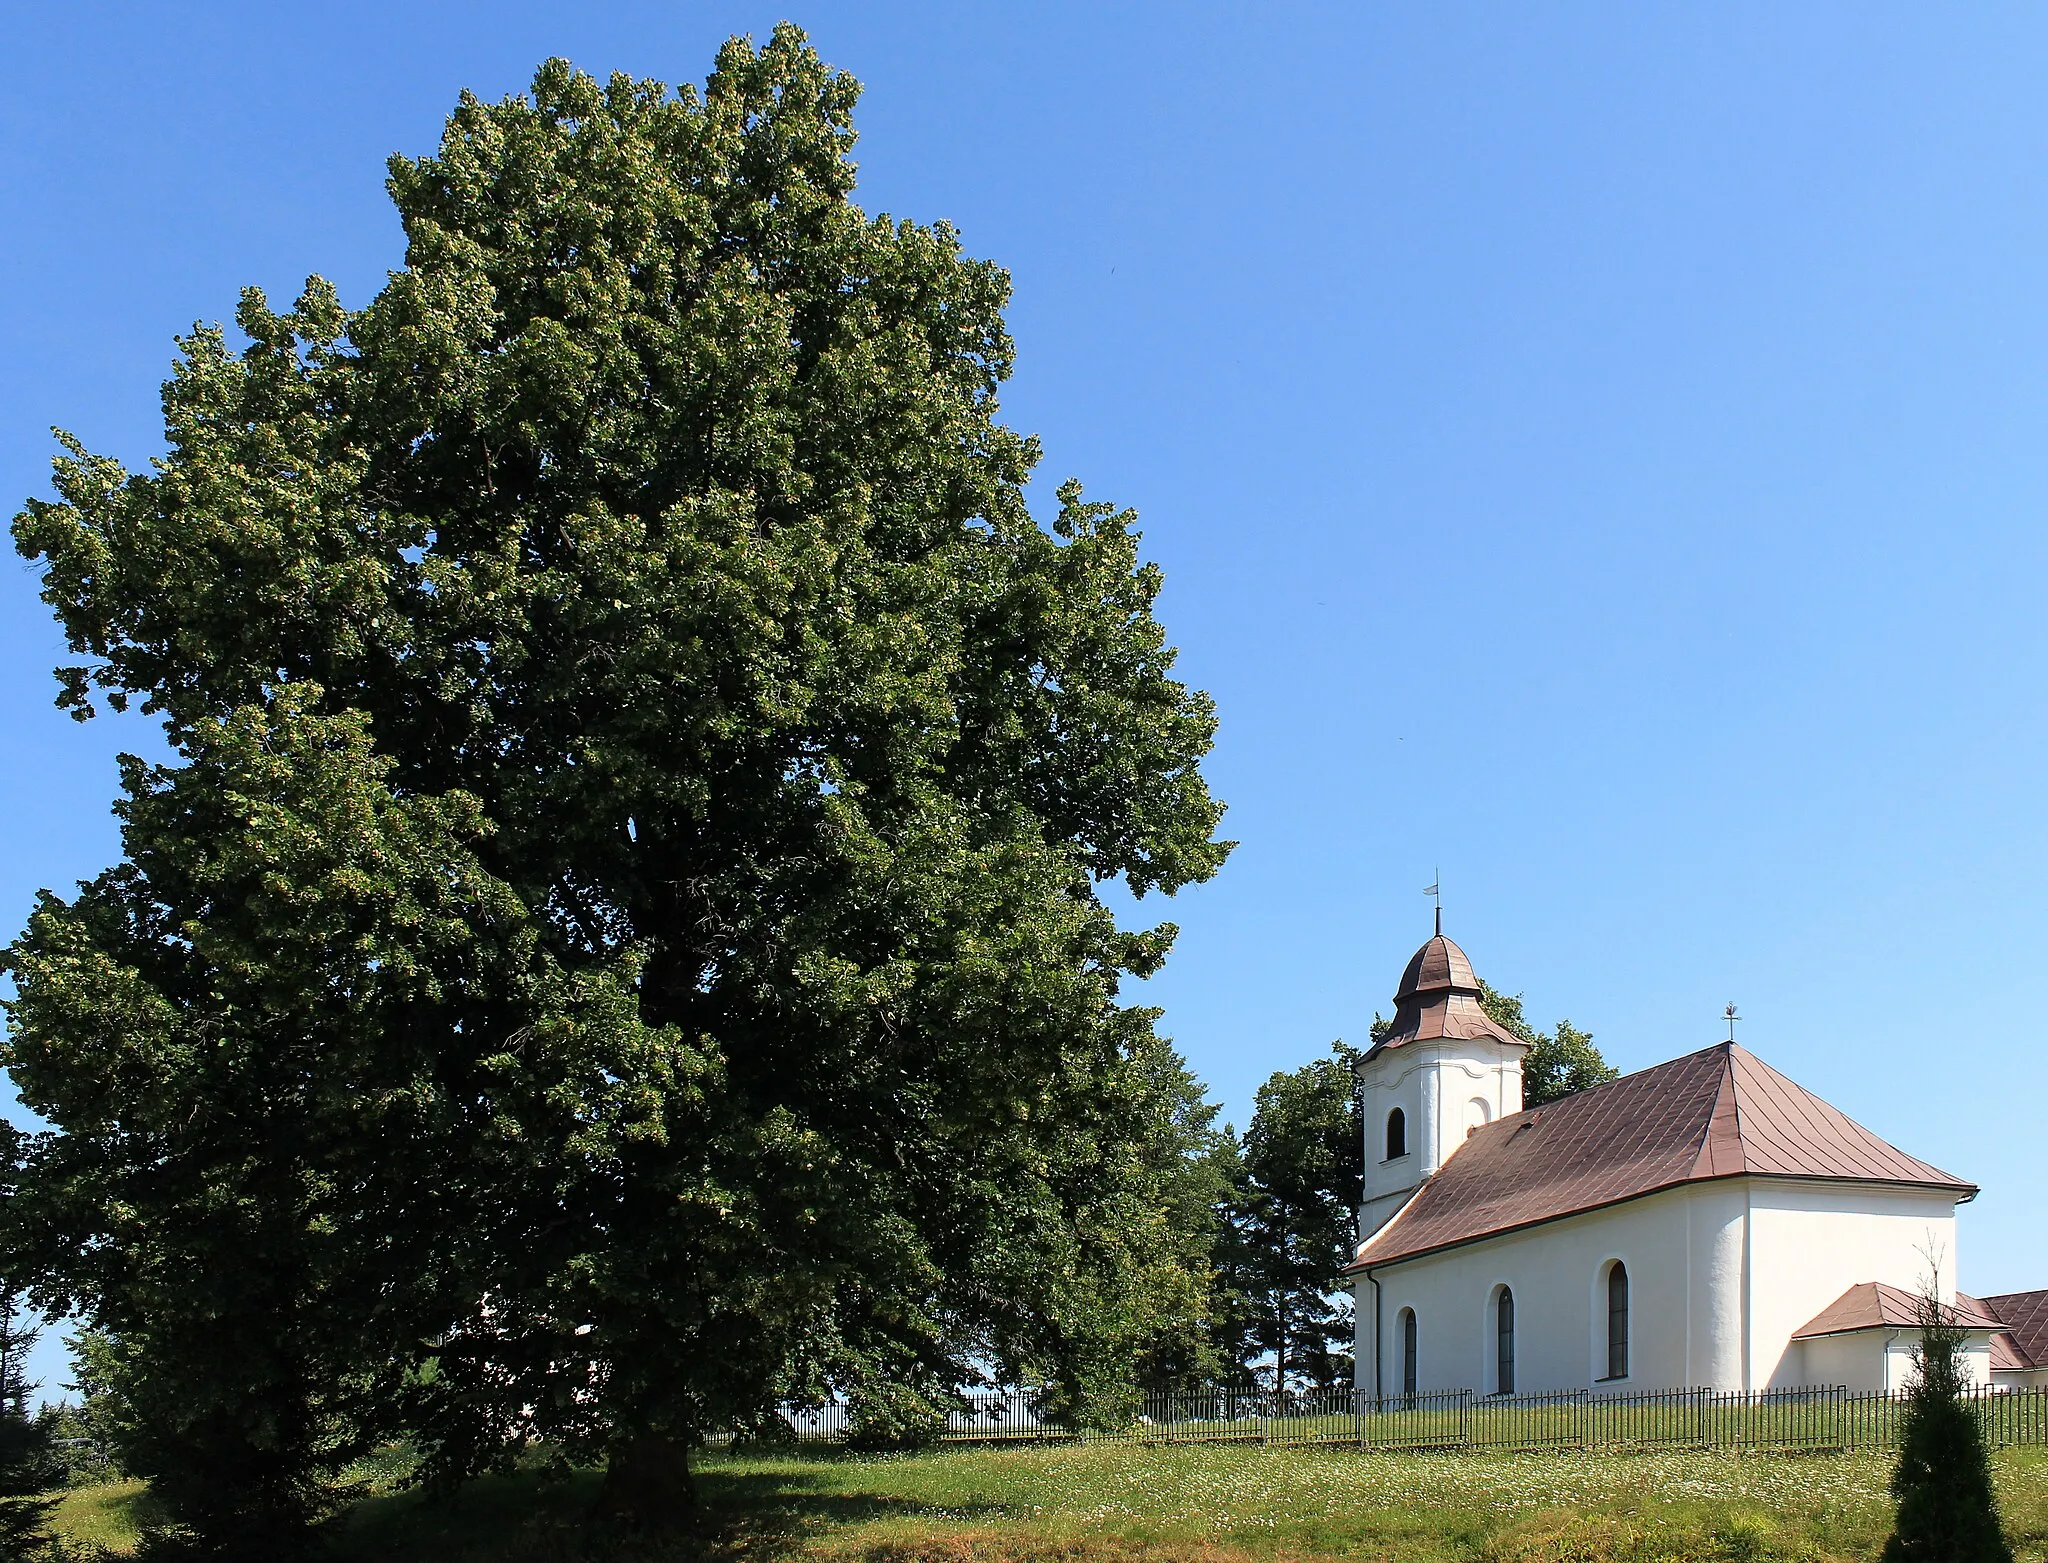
1872,1305
1718,1113
2025,1317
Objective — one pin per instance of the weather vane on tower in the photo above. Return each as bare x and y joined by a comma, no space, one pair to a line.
1731,1017
1433,893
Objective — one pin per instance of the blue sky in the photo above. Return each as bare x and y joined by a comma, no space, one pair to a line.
1595,451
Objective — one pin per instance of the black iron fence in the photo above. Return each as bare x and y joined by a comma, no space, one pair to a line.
1814,1417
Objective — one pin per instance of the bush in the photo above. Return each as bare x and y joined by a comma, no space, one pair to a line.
890,1416
1948,1512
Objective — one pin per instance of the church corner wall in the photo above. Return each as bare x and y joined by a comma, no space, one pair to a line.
1812,1241
1363,1366
1718,1270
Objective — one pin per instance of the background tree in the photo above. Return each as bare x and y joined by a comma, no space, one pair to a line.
1238,1262
618,943
1302,1165
1947,1506
88,1429
1558,1062
30,1463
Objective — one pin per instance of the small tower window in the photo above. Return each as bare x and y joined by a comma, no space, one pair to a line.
1504,1342
1617,1320
1408,1351
1397,1134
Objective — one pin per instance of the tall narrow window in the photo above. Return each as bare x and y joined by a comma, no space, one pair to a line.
1504,1342
1397,1134
1408,1351
1617,1321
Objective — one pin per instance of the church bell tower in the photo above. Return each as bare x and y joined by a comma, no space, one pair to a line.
1442,1069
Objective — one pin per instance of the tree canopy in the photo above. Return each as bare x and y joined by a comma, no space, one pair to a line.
1558,1062
617,944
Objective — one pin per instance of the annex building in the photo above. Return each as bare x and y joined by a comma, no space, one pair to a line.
1706,1223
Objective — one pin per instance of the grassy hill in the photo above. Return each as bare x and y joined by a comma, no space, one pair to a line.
1187,1504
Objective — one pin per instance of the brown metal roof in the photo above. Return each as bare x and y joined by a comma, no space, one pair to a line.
2025,1317
2006,1351
1872,1305
1439,997
1438,964
2005,1356
1718,1113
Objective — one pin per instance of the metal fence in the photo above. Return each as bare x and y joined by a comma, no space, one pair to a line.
1815,1417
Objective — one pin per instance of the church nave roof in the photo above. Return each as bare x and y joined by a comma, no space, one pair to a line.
1718,1113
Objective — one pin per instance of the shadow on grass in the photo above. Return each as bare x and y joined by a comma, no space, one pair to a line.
539,1516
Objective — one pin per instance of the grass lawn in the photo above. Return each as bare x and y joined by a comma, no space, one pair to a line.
1207,1504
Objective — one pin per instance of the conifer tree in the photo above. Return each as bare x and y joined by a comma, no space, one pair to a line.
1947,1507
29,1465
1302,1164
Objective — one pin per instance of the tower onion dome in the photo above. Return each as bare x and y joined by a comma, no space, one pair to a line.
1439,999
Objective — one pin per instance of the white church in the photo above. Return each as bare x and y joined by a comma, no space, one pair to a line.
1705,1223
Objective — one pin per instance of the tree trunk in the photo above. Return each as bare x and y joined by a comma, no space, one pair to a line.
648,1485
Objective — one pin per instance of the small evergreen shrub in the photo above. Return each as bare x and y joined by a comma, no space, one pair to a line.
1948,1511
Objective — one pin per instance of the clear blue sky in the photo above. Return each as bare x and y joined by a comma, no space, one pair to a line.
1596,451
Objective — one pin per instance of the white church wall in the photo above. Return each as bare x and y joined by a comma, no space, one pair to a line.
1557,1273
1388,1181
1720,1275
1810,1242
1857,1361
1882,1359
1977,1360
1717,1250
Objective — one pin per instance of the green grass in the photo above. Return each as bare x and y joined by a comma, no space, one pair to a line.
103,1516
1186,1504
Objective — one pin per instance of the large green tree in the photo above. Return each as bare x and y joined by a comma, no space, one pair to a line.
616,943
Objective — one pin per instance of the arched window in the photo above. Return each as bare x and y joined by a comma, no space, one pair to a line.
1408,1351
1504,1342
1397,1134
1617,1320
